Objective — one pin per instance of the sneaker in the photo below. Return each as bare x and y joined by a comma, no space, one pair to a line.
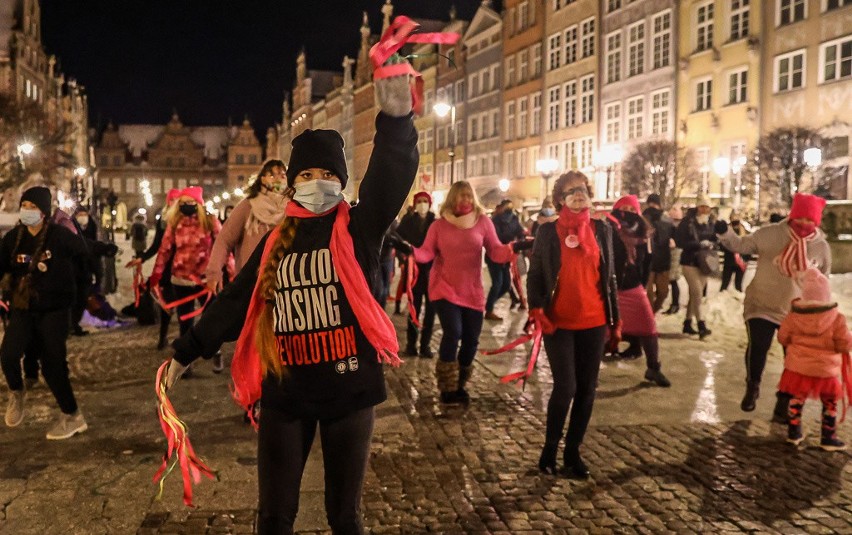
218,362
657,377
832,444
67,426
15,410
491,316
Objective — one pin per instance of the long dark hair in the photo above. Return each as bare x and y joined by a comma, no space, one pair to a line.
256,186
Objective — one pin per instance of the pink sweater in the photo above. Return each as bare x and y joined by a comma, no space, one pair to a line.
457,272
235,238
814,338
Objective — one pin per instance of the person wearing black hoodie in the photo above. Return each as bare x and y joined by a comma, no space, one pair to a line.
412,229
37,261
316,366
508,229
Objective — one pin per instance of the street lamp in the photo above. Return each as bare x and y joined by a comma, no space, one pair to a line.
546,167
608,157
442,109
812,157
26,148
737,169
722,168
503,185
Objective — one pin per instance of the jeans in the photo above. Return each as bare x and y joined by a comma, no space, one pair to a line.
51,330
387,275
501,281
459,324
284,443
760,332
421,286
658,289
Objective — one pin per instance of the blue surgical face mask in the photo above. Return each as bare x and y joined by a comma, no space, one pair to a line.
30,217
318,196
547,212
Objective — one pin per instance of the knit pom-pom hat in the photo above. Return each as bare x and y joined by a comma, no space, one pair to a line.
815,287
806,205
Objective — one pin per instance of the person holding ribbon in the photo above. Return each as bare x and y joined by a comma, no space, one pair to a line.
783,250
312,335
572,297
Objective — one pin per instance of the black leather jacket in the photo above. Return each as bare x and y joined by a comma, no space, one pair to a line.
547,260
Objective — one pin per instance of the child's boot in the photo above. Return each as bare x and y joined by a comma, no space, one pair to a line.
829,440
794,422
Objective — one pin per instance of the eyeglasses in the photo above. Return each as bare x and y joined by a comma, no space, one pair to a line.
571,191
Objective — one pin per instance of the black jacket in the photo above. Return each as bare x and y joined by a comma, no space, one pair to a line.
508,227
387,181
689,235
413,228
547,260
664,230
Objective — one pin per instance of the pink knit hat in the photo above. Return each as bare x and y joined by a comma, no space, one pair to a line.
809,206
815,286
195,192
173,194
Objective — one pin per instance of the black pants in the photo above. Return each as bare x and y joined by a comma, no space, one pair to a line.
180,292
165,317
421,298
675,293
760,334
501,283
51,330
738,274
649,344
459,324
283,447
81,296
575,359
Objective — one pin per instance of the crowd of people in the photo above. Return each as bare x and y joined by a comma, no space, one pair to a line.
300,279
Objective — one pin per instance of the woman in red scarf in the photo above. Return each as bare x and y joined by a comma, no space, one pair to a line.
314,337
572,294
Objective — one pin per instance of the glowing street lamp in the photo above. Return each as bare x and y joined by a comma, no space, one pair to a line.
80,171
503,185
239,192
442,109
26,148
546,167
812,157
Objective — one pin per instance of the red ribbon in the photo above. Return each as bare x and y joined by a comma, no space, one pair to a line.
846,375
395,37
411,273
516,282
738,259
138,285
158,295
533,331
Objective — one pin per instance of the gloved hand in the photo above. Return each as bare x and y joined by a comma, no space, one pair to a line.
522,245
174,372
706,244
547,326
614,338
721,227
393,94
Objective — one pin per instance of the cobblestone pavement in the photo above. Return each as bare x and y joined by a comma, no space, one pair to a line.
678,460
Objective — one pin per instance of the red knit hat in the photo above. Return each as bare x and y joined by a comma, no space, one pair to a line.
195,192
628,200
420,195
173,194
809,206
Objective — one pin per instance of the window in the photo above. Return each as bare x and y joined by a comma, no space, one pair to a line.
523,65
570,91
571,45
536,54
703,94
553,109
613,5
790,71
485,80
523,15
836,59
587,99
559,4
790,11
510,120
612,128
662,39
509,23
116,185
588,37
587,148
523,116
474,84
495,123
554,58
737,86
103,161
702,155
521,163
116,161
536,114
473,129
240,159
635,117
509,163
510,71
495,77
569,153
704,27
613,57
636,49
835,4
495,162
660,112
130,185
739,19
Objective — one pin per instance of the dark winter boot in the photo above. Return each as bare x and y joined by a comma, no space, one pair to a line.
633,351
829,440
162,342
547,460
703,331
673,309
782,406
794,422
465,372
574,467
687,327
447,375
750,398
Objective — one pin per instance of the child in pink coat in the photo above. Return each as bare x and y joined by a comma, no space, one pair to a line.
817,341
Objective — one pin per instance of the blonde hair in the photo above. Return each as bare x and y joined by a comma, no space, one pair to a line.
264,338
453,197
174,216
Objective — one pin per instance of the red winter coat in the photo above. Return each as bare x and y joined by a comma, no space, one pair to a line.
815,336
188,246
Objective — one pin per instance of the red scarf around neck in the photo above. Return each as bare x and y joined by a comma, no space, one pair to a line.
578,224
374,322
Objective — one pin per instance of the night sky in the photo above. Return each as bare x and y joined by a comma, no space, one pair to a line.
211,60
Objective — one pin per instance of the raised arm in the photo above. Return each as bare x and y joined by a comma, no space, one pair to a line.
748,244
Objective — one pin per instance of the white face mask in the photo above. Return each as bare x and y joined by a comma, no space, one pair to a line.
83,220
318,196
422,208
30,217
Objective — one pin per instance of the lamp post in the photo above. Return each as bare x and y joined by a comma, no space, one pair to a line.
608,157
546,167
442,109
722,168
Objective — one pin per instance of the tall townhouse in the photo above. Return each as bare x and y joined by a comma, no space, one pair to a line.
570,90
310,88
523,31
637,78
808,73
483,42
363,108
719,91
338,110
426,63
450,137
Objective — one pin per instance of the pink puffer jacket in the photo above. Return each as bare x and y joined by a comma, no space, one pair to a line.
815,336
187,246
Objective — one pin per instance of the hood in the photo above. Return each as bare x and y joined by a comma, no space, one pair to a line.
653,214
814,319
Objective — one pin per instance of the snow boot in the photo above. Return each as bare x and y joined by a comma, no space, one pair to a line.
703,331
447,375
465,372
752,392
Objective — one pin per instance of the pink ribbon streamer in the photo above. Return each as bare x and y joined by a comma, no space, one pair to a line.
411,273
532,332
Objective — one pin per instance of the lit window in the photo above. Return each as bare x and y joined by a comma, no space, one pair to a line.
662,39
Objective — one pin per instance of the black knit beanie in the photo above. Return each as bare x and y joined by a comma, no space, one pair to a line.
317,148
39,196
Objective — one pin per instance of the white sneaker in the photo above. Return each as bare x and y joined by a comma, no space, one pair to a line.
67,426
15,410
218,362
